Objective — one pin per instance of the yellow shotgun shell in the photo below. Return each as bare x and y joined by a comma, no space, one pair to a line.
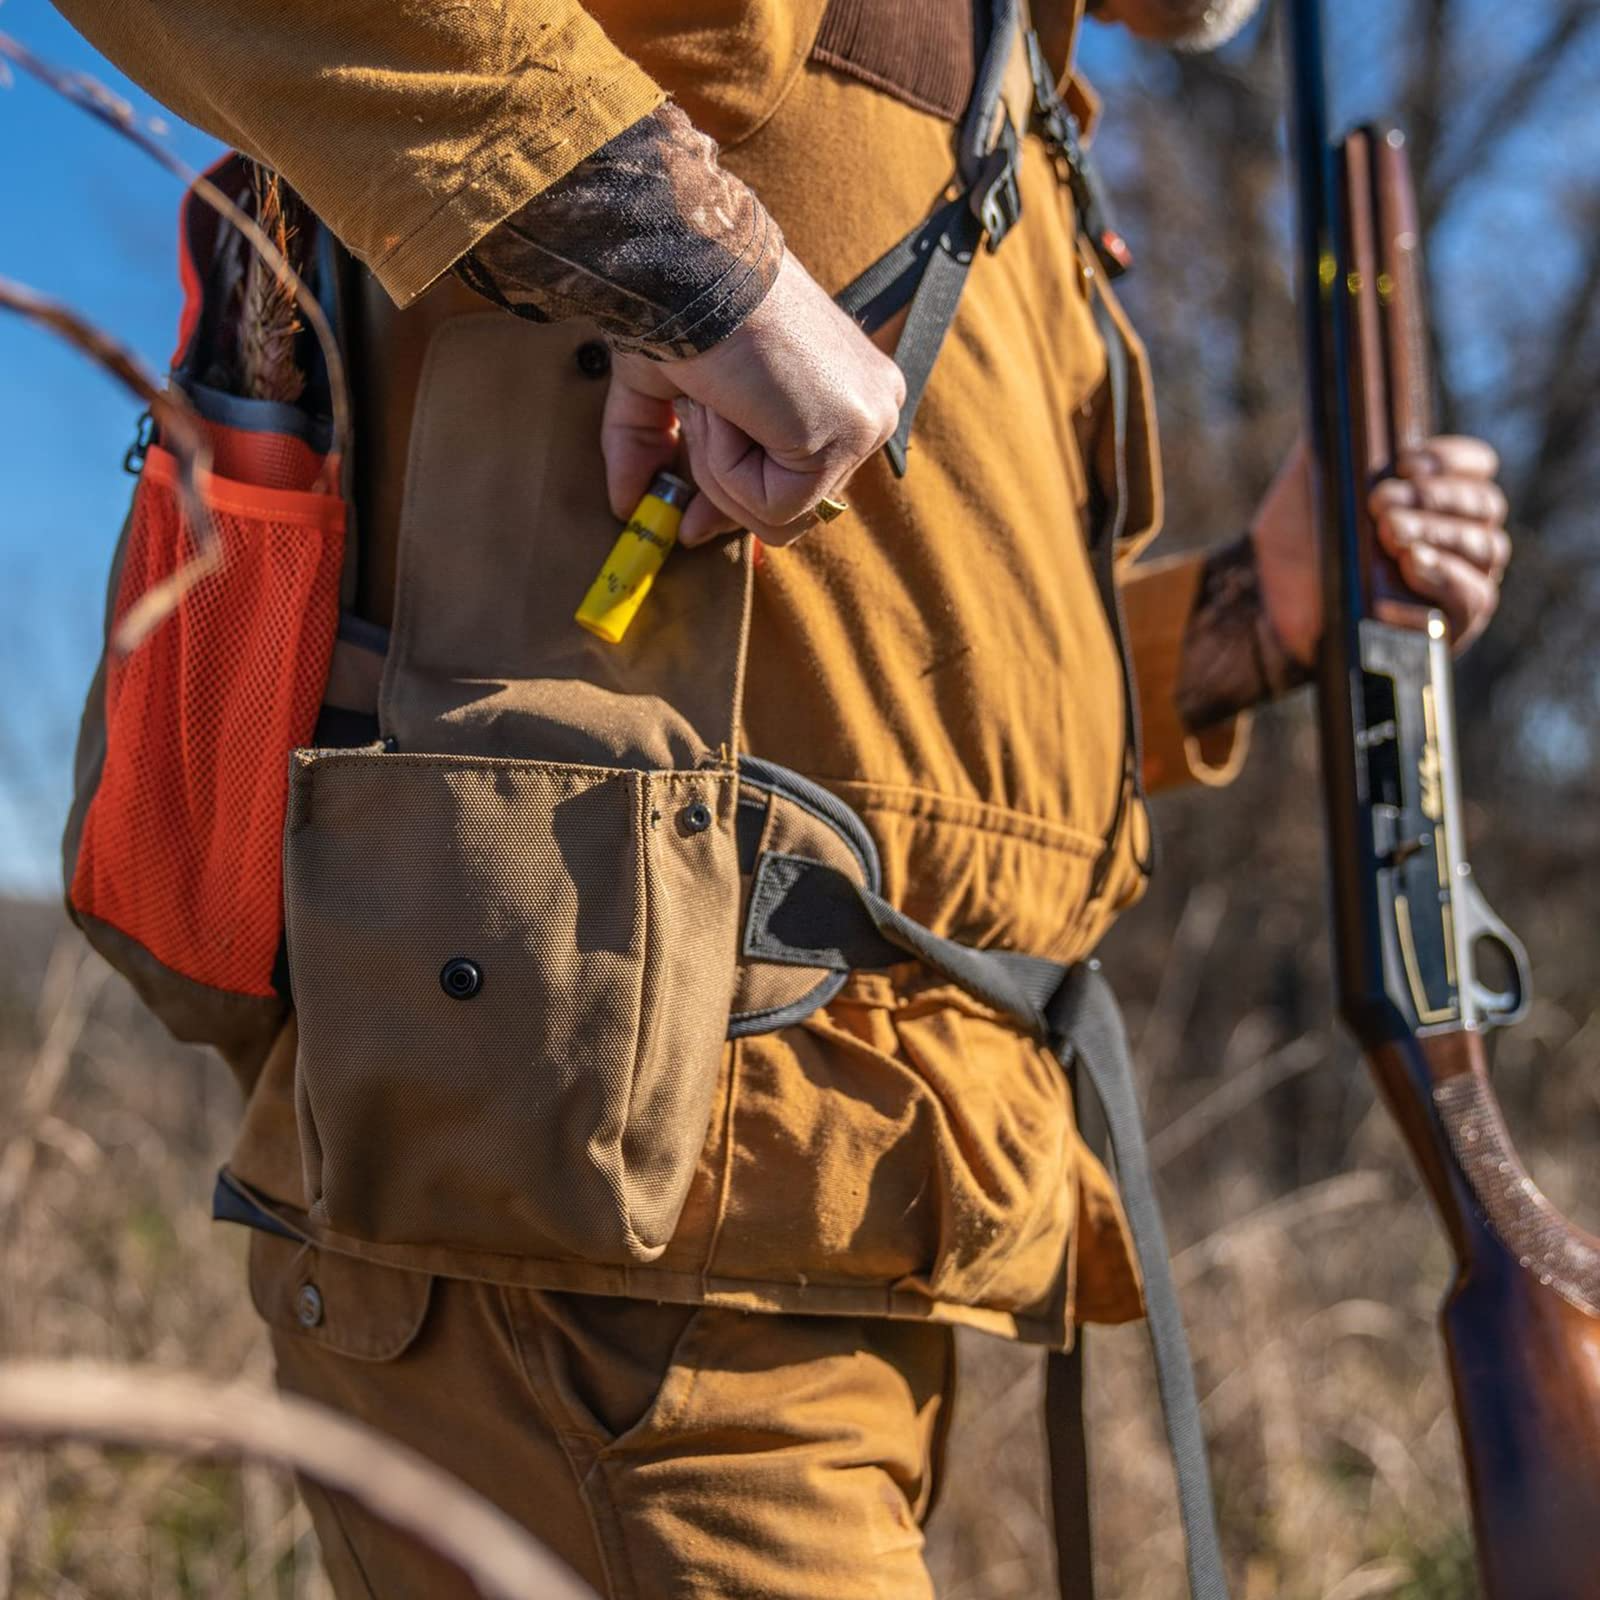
615,596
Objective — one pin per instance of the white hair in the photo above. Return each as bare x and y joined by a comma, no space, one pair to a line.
1216,24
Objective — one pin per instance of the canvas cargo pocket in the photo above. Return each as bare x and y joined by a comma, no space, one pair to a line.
513,980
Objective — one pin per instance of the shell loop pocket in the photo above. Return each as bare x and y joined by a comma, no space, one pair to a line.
513,980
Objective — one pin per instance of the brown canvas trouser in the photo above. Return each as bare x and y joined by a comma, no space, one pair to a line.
662,1450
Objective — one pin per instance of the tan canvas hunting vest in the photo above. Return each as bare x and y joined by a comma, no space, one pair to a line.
564,817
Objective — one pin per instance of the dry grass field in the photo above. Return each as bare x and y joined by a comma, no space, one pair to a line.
1311,1308
109,1135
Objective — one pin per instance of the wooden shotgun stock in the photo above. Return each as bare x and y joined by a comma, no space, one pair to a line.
1521,1318
1521,1325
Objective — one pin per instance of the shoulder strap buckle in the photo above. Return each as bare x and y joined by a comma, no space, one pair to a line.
996,197
1059,129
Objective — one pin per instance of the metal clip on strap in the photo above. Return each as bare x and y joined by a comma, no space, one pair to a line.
1059,129
927,270
996,199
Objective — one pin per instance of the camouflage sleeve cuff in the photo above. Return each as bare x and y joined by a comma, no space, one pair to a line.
1232,656
648,237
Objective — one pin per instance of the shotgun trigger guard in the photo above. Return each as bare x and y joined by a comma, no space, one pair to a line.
1477,925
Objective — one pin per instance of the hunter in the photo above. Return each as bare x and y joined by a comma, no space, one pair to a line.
600,240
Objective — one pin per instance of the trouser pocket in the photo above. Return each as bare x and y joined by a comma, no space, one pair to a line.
513,981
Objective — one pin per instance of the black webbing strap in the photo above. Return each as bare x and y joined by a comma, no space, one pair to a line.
1069,1471
1086,1028
1058,127
927,270
925,274
806,914
809,914
933,310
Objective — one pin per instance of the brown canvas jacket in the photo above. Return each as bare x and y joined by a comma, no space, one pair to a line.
939,659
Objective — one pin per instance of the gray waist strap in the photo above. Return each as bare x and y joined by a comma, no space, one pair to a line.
807,914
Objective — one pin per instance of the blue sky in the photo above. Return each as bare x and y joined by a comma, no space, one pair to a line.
89,220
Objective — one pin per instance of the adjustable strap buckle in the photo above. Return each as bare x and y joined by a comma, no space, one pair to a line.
144,437
1059,129
996,197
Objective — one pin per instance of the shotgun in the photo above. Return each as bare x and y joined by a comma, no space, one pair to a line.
1413,936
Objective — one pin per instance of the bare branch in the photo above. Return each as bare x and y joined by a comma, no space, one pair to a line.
92,96
150,1409
1233,1094
1425,93
181,433
1506,109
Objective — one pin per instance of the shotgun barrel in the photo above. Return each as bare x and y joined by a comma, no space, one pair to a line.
1412,932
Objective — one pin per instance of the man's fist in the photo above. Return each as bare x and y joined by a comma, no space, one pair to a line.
778,415
1441,516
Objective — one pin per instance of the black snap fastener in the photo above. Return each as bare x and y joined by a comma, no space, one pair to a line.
594,360
460,978
308,1305
697,818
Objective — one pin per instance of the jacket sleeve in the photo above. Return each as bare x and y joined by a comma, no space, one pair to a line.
411,128
1157,597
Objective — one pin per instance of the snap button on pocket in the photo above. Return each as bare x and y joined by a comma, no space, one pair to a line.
308,1305
460,978
697,818
594,360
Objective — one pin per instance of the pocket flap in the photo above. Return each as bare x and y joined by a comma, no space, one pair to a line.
354,1308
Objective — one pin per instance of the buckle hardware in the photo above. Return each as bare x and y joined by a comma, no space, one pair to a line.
144,437
996,196
1059,129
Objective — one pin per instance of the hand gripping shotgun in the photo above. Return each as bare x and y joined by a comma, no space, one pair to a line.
1412,933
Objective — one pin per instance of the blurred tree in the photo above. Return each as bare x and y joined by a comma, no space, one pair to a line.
1501,106
1504,121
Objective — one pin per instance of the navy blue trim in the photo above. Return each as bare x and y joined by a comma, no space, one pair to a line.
230,1203
827,808
768,778
743,1023
362,634
259,416
749,823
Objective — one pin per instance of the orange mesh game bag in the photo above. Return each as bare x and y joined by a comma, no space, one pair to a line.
174,850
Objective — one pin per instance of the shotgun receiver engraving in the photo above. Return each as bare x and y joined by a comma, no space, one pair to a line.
1521,1317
